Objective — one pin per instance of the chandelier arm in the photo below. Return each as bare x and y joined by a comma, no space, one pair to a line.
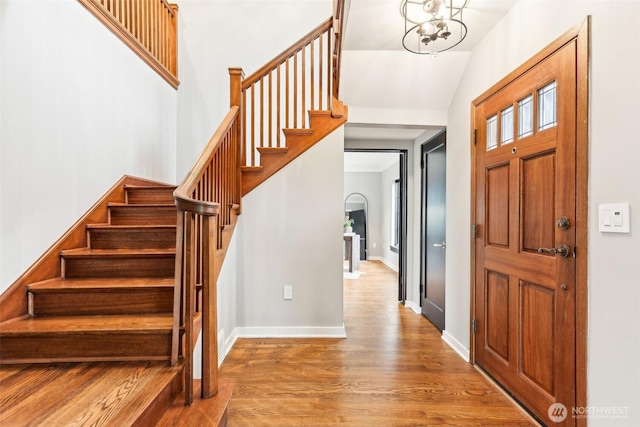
418,44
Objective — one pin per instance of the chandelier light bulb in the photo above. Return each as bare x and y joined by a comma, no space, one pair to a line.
432,26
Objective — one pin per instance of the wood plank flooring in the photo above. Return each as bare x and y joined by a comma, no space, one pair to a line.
393,369
85,394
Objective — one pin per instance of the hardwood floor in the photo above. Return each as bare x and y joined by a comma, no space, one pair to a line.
86,394
393,369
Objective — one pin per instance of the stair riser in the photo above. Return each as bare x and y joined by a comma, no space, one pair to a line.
132,239
112,267
85,346
134,215
141,195
152,300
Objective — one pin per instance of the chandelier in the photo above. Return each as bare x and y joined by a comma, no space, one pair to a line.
432,26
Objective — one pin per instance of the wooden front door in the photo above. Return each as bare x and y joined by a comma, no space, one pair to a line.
525,210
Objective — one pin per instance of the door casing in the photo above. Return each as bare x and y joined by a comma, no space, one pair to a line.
402,250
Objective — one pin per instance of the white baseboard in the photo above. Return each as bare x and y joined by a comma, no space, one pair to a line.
292,332
385,262
228,344
413,306
456,345
353,275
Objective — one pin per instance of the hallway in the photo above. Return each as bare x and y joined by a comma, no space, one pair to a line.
393,369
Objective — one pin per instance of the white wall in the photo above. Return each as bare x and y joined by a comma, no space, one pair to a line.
368,184
213,36
614,295
291,234
78,111
217,34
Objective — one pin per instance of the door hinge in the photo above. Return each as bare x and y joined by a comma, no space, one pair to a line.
474,231
474,326
475,136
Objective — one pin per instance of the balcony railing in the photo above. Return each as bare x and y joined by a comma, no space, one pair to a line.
148,27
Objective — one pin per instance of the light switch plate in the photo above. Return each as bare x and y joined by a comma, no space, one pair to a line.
613,218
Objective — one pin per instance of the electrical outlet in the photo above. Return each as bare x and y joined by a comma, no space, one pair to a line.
288,292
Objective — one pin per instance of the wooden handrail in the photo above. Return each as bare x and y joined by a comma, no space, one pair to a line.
209,197
280,94
183,194
205,200
288,53
148,27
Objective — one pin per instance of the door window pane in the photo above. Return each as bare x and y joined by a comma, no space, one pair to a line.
525,117
507,125
547,106
492,133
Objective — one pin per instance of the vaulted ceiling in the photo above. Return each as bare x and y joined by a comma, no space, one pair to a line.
378,73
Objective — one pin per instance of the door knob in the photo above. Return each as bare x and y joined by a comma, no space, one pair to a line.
442,245
562,250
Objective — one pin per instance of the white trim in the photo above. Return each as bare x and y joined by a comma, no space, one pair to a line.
456,345
291,332
385,262
413,306
354,275
228,345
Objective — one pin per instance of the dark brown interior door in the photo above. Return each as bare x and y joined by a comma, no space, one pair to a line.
433,235
525,214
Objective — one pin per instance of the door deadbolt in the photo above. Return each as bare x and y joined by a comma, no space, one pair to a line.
563,223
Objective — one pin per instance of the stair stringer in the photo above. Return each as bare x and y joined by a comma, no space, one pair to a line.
321,124
12,301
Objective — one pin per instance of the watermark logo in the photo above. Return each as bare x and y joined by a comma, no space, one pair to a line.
557,412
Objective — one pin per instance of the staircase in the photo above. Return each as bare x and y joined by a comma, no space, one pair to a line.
113,299
272,159
133,282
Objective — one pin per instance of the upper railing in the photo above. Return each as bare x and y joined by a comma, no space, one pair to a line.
280,94
206,201
148,27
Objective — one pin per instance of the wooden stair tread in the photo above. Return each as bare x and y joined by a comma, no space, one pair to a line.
71,285
212,412
251,169
150,187
130,227
97,393
272,150
297,131
73,324
141,205
87,252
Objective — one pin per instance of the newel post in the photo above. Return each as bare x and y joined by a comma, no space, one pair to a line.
210,232
235,94
235,87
